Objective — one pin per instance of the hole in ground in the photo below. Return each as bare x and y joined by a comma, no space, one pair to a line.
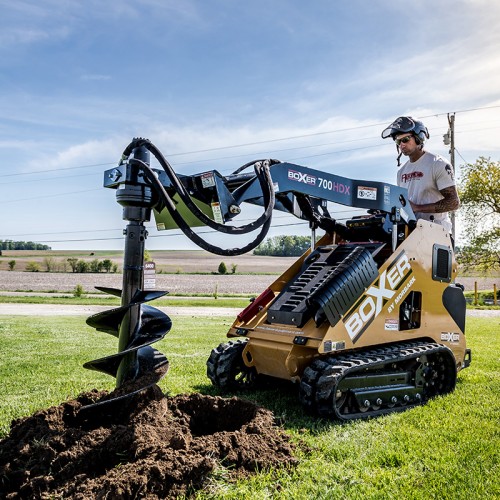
209,415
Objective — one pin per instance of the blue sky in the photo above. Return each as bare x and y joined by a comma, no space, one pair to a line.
217,83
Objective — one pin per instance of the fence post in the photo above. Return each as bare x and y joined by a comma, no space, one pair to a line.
475,293
494,294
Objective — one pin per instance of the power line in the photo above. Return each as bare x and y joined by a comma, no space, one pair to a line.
169,234
269,141
459,154
209,160
44,179
229,157
58,169
48,196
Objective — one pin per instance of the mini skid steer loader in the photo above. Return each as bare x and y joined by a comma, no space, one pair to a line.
367,322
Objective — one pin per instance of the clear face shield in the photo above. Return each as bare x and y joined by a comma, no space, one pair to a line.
400,125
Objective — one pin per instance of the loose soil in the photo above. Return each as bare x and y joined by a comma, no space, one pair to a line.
143,446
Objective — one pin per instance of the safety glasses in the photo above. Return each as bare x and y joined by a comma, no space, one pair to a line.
404,140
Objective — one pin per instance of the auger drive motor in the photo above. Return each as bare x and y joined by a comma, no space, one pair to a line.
368,321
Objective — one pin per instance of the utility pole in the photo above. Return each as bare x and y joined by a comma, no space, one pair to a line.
449,139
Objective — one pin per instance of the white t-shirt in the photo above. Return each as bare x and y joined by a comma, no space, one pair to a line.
424,179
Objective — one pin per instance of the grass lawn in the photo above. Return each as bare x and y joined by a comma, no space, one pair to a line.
184,301
448,449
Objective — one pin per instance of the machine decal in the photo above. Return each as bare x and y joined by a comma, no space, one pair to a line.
280,330
391,325
302,177
401,294
369,306
387,195
320,182
330,185
367,193
329,346
450,337
207,179
217,213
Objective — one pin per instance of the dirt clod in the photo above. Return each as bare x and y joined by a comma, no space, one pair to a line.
145,446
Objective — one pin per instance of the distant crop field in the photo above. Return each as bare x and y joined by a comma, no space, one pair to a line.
18,281
179,271
167,261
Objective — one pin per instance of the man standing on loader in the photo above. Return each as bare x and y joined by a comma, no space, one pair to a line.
429,178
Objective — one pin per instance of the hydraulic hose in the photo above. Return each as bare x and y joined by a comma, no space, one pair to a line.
264,221
262,173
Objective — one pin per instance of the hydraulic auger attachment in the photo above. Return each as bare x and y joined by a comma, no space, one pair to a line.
136,324
141,189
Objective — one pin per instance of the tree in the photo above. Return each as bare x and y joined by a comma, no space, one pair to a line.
284,246
479,190
72,262
22,245
222,268
12,265
107,265
49,264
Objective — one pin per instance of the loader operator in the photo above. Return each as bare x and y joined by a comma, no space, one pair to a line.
428,177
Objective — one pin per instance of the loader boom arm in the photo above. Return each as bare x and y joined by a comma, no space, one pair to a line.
221,196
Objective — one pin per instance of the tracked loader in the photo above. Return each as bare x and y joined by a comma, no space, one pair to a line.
368,321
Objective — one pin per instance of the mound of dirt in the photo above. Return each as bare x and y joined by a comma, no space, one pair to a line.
144,446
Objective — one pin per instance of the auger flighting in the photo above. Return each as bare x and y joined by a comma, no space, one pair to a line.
136,324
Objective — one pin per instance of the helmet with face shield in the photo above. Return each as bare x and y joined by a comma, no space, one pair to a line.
405,124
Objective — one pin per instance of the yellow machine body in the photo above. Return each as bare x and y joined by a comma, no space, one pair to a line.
375,319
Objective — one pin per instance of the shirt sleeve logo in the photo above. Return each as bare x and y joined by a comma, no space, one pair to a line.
449,171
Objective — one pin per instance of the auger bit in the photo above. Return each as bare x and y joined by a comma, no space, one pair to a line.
136,365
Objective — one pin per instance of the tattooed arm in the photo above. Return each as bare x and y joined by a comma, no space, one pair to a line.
448,203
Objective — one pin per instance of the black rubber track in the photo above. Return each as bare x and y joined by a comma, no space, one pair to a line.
319,387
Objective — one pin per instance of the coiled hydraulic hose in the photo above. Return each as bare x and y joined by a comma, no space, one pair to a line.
262,172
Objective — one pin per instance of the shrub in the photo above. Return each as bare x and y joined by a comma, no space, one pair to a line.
49,264
222,268
33,267
82,266
12,265
62,266
95,266
107,265
78,290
